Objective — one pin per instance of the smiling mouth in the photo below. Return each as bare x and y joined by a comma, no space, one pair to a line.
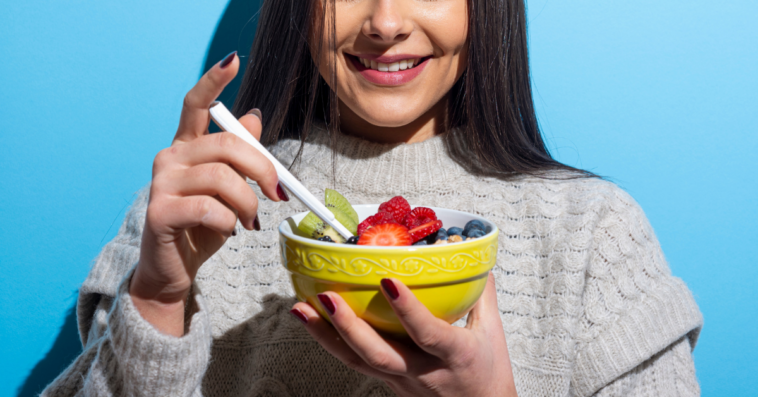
404,64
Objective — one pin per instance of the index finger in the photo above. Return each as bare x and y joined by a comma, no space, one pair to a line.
433,335
195,115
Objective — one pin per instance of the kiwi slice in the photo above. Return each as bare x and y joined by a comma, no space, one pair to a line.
313,227
335,200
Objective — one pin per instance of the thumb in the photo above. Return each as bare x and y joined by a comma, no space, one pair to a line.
253,122
485,314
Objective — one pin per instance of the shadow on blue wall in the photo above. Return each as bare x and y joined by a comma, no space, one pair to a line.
66,348
234,32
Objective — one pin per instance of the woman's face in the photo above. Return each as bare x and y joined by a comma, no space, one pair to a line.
396,59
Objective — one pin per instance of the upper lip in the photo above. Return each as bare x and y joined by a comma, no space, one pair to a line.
388,58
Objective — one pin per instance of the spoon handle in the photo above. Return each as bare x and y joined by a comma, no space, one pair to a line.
221,116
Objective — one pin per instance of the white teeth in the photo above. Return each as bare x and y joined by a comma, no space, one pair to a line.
391,67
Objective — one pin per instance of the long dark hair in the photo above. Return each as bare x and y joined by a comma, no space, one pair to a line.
491,131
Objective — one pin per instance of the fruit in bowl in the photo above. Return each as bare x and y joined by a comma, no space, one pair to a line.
447,278
394,223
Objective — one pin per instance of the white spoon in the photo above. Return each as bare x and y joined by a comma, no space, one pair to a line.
224,118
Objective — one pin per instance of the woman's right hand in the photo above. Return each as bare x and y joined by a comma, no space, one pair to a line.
198,191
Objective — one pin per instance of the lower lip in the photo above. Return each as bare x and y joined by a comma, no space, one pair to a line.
388,78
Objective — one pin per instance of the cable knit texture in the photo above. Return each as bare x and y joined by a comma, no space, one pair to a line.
588,303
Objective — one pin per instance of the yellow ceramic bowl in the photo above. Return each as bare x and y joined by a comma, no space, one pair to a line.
447,278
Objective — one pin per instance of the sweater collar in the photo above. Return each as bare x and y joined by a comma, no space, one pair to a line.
375,168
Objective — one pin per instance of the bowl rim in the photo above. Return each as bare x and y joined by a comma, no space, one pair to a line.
310,241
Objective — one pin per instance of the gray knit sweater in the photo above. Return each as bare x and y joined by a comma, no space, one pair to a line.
588,303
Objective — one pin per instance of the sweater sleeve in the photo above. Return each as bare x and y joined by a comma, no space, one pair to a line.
124,354
633,309
670,373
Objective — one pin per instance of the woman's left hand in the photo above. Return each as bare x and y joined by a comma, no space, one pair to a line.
444,360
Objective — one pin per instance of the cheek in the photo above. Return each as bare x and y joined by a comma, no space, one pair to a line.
447,27
347,28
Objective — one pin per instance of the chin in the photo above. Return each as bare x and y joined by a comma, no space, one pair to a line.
391,120
397,115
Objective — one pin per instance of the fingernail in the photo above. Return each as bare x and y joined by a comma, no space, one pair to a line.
299,315
234,232
281,192
327,303
257,224
390,288
229,58
257,113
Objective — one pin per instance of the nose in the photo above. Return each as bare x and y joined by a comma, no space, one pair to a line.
387,22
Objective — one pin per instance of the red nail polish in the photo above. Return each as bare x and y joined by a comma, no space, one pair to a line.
327,302
229,58
390,288
299,315
257,113
281,192
257,224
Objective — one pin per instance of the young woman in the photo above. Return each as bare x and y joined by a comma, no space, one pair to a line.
376,98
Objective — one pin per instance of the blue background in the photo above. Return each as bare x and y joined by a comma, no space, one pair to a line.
658,95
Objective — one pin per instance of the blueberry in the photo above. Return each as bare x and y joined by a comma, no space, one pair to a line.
455,230
441,234
352,240
475,233
488,229
420,242
472,225
326,238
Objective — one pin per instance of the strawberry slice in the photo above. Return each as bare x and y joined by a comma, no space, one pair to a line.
419,216
386,234
380,218
397,206
418,233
